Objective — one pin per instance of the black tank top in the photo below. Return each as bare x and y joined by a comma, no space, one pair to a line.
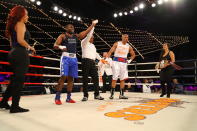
14,38
70,43
167,57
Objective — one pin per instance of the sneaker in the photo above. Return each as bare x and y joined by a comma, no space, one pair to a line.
84,99
4,105
70,101
111,97
123,97
18,110
98,97
58,102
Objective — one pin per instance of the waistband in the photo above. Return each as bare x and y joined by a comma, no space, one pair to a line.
71,55
88,59
120,59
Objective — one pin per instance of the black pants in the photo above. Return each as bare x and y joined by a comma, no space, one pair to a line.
166,77
106,79
89,69
19,61
169,87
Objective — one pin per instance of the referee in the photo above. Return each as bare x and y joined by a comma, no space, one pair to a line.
89,55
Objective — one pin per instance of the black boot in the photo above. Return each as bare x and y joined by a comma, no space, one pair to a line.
162,95
4,105
163,91
169,88
18,110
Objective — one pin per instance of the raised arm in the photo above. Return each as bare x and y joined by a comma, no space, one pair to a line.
112,49
83,34
87,38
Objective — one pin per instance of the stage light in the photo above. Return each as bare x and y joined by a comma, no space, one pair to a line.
120,14
74,17
64,14
115,15
125,13
131,11
70,16
32,0
79,18
141,6
136,8
55,8
60,11
153,4
38,3
160,2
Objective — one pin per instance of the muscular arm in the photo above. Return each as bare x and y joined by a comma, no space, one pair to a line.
112,49
132,53
87,39
84,33
57,44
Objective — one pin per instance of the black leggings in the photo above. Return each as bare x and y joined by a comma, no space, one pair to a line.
166,77
19,61
169,87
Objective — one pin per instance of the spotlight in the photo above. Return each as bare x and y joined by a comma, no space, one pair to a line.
131,11
70,16
136,8
115,15
79,18
64,14
125,13
60,11
32,0
120,14
153,4
55,8
38,3
74,17
160,2
141,6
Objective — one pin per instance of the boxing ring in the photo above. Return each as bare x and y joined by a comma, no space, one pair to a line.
141,111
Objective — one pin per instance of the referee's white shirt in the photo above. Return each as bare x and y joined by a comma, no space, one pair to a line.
89,49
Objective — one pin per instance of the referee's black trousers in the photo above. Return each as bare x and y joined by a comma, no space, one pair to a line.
89,69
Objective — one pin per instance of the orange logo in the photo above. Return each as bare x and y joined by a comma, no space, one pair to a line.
137,112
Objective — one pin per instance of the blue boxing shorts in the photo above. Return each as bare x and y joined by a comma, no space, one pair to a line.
69,66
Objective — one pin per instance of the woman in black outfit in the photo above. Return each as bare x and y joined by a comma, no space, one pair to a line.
167,57
18,57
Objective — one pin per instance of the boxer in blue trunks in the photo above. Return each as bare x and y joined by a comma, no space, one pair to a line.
67,43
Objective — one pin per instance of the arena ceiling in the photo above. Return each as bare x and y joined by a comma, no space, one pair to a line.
147,29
